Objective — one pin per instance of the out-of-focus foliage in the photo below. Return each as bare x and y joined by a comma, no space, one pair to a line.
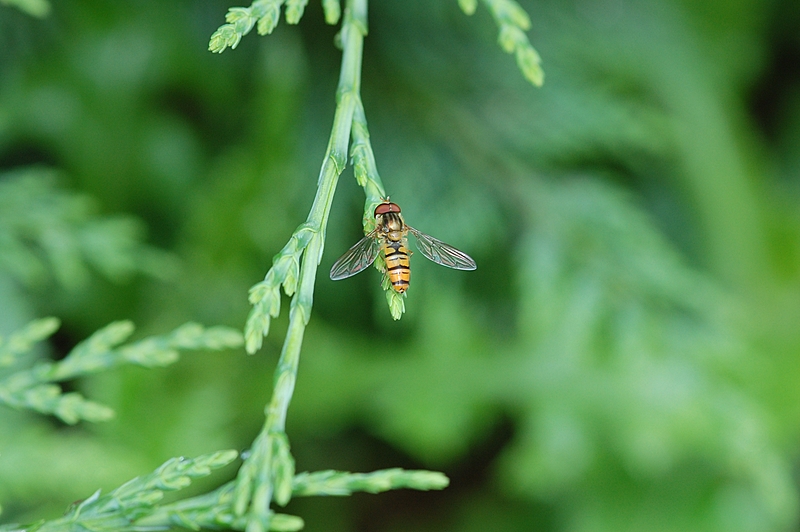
626,355
35,388
36,8
45,232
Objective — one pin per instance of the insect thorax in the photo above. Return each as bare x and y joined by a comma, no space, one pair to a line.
392,226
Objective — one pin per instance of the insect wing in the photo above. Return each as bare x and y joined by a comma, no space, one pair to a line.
442,253
357,258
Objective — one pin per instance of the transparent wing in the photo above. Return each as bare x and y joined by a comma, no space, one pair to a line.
357,258
442,253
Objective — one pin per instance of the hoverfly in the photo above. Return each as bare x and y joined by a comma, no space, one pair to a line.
389,237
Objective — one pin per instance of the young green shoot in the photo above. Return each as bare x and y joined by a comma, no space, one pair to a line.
268,471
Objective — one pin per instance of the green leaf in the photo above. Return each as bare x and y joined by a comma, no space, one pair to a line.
226,36
269,15
509,37
513,22
397,303
339,483
72,408
294,10
22,341
333,11
34,8
468,6
283,467
529,61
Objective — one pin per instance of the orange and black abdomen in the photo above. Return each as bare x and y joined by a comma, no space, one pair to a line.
397,265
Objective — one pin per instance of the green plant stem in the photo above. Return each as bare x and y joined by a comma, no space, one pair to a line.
366,170
267,473
353,32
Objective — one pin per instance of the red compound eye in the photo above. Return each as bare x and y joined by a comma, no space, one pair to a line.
387,207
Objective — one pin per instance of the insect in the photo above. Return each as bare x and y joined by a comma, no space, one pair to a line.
389,237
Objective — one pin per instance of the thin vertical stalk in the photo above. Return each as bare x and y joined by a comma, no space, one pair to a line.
332,166
267,473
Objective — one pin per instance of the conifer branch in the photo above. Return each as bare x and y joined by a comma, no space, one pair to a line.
267,473
36,388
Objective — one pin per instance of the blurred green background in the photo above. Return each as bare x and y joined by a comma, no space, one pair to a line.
627,355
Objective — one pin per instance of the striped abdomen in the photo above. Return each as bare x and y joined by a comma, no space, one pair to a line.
396,253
